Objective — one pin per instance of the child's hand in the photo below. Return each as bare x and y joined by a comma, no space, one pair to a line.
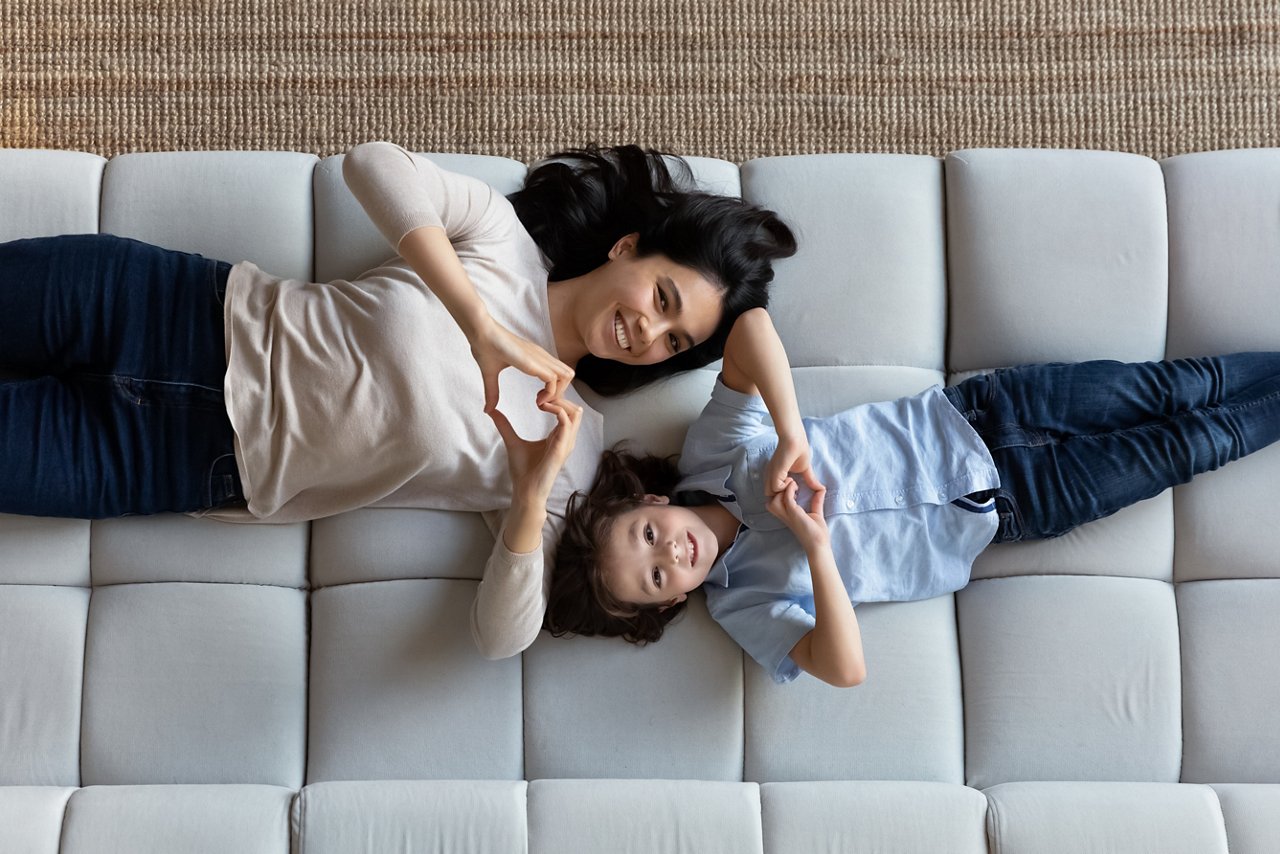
809,527
790,457
534,465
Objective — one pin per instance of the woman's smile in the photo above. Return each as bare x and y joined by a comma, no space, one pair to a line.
620,332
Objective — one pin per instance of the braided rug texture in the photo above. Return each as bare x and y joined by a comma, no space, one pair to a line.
735,79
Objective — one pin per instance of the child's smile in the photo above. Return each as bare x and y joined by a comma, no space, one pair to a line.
657,553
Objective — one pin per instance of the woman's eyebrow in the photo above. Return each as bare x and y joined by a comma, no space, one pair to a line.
670,283
675,290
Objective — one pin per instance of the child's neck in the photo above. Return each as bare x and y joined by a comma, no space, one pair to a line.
721,522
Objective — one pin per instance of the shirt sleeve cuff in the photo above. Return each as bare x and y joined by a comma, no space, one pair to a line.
726,396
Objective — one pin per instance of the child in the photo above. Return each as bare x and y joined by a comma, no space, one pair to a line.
915,489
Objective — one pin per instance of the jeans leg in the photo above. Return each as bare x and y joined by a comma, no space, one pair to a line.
92,448
1059,471
1098,396
123,412
102,304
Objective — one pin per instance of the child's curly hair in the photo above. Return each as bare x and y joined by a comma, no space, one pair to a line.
580,603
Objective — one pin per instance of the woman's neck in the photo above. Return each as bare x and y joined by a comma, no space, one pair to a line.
721,522
570,347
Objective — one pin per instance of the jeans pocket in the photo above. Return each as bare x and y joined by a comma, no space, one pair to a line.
175,395
224,481
219,271
1010,528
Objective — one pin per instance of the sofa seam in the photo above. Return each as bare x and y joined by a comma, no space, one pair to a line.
84,669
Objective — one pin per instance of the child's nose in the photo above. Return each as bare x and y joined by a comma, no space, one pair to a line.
675,553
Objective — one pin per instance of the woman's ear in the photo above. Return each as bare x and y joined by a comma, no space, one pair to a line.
656,499
625,245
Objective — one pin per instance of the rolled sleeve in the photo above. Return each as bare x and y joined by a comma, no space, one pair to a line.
768,630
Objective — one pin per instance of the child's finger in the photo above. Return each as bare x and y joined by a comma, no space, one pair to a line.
815,501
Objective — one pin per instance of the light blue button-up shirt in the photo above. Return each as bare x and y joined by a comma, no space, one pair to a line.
891,470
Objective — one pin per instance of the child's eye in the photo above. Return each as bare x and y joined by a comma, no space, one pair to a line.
657,578
648,534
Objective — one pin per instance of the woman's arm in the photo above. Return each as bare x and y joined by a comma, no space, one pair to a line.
832,649
421,209
755,362
494,347
511,600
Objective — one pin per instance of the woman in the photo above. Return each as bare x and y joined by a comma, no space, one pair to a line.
160,381
904,494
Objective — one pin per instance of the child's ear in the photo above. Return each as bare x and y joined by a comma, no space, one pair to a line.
672,602
656,499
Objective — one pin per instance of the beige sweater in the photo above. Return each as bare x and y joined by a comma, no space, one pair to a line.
365,394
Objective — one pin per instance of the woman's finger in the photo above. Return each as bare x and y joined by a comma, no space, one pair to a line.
500,421
490,391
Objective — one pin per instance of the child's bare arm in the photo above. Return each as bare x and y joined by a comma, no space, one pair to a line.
755,362
832,649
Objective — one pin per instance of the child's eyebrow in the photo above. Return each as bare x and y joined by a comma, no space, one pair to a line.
634,533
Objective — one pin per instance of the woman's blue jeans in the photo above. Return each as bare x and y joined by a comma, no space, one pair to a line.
111,368
1077,442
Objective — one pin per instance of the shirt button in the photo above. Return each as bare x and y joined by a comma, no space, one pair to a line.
898,499
848,502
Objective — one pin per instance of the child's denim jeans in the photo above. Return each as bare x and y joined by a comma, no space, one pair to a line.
1077,442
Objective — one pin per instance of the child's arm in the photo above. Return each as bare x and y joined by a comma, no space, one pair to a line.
832,649
755,362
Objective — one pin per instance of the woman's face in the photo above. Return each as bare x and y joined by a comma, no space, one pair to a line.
657,553
642,311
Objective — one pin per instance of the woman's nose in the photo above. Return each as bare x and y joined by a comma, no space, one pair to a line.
643,327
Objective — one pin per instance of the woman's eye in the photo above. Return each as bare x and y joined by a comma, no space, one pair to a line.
657,578
674,342
648,534
662,299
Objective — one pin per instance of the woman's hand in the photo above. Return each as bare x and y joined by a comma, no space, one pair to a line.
495,347
810,527
534,465
790,457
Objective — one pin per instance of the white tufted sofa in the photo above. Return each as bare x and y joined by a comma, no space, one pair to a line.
173,685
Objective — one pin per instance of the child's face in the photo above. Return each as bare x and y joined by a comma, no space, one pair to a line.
657,553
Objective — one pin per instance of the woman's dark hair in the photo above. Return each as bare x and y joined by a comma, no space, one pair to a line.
580,603
577,204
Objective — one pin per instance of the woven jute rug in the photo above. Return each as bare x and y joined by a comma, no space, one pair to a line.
727,78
